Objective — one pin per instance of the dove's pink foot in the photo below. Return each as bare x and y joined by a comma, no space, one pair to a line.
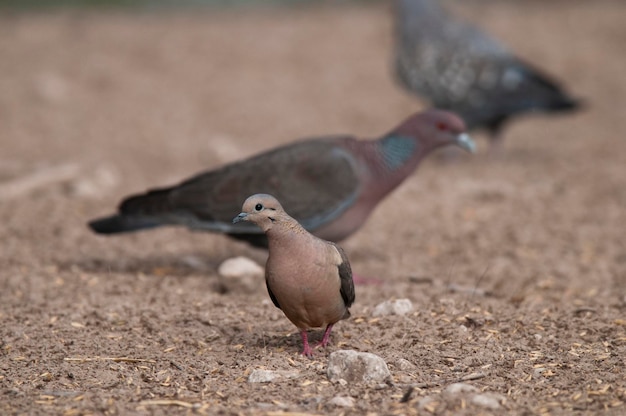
306,350
324,342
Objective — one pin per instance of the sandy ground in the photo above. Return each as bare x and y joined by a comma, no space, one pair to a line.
515,264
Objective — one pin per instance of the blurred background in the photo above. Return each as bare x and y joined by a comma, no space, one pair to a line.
101,99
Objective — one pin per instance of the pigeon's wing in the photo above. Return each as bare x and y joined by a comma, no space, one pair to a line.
345,276
315,180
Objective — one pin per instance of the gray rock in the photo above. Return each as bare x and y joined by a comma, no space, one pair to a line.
393,307
342,401
240,274
357,367
94,183
424,402
404,365
488,400
456,389
269,376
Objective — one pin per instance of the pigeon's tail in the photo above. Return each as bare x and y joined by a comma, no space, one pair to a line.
564,103
137,212
549,95
121,224
154,202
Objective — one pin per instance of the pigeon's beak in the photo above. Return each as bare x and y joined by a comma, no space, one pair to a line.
241,217
465,142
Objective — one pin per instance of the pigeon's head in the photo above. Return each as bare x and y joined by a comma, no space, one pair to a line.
262,210
436,128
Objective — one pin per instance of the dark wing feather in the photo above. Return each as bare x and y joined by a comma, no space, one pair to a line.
269,291
315,180
345,276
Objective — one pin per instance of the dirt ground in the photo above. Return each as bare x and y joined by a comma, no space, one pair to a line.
515,264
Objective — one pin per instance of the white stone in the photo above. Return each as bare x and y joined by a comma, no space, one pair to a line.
405,365
240,274
342,401
488,400
459,388
95,183
52,88
240,266
425,402
356,367
269,376
393,307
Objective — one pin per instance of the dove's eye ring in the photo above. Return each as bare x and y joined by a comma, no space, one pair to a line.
258,207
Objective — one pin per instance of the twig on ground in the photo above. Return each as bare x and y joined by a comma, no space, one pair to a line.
114,359
173,364
167,403
469,377
60,393
583,309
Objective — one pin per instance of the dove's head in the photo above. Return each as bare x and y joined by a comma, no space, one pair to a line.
261,209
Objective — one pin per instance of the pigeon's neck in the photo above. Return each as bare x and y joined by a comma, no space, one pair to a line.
397,151
395,157
421,9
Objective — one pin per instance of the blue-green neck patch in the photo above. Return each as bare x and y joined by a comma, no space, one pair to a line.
397,150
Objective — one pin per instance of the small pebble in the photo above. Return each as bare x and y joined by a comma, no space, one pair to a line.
459,388
404,365
240,274
488,400
269,376
342,401
393,307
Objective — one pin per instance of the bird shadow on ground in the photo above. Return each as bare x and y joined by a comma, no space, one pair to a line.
173,265
292,342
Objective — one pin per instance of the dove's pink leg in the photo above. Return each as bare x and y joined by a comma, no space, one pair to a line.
306,351
326,337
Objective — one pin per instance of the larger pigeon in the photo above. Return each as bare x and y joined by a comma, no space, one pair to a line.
329,185
459,68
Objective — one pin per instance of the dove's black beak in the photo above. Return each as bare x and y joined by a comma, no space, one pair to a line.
241,217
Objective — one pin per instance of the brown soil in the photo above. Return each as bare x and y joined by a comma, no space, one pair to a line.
516,264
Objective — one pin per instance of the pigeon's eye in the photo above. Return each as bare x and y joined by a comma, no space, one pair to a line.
442,126
258,207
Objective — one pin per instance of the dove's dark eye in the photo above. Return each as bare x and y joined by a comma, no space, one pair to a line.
258,207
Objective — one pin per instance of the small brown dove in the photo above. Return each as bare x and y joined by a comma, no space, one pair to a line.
308,278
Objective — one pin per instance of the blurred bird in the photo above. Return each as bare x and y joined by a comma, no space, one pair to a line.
329,185
308,278
459,68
